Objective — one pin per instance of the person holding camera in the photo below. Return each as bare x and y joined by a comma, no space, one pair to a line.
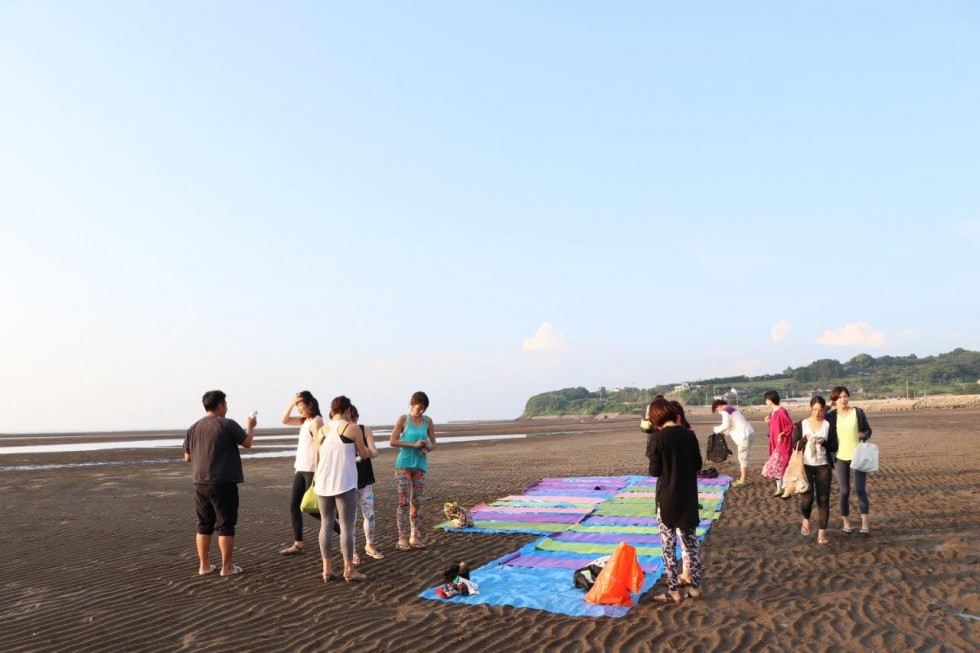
211,446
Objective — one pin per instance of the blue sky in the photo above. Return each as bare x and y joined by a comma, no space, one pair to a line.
484,201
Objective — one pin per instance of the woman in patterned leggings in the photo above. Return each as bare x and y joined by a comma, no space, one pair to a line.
675,458
414,436
365,488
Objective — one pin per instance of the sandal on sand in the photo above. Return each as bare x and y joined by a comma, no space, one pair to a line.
848,530
403,547
865,531
683,580
356,577
739,484
206,571
667,598
823,540
377,555
805,529
416,545
330,577
291,550
235,570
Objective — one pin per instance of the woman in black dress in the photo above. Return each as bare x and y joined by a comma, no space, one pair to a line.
675,459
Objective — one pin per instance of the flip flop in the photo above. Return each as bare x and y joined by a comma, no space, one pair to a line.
291,551
235,570
416,545
823,540
805,530
377,555
667,598
356,577
848,530
330,577
864,531
739,484
403,547
207,571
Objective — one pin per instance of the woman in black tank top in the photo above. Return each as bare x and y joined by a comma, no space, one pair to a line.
365,490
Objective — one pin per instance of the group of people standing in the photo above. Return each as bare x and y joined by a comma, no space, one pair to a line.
333,456
827,440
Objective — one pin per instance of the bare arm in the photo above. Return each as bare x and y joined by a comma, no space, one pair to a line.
358,438
396,433
317,430
432,433
249,432
369,442
288,418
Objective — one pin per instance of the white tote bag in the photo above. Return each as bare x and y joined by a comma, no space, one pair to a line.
865,457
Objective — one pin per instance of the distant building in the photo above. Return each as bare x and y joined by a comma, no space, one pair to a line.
682,387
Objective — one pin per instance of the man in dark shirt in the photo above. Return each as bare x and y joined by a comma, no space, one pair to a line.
211,446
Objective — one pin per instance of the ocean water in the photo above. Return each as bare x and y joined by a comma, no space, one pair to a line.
286,448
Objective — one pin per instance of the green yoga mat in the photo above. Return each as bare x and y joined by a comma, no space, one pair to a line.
647,508
595,548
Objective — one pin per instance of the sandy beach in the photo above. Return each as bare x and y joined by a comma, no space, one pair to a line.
101,557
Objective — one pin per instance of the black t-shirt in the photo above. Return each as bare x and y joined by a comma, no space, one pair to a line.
675,458
213,445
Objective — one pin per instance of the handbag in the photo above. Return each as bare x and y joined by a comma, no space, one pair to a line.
308,504
865,457
794,478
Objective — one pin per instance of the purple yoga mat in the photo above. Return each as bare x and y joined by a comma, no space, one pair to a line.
550,518
554,562
606,538
603,520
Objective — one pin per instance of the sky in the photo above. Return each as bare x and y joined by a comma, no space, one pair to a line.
483,201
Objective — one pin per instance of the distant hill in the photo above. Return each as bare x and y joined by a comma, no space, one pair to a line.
956,372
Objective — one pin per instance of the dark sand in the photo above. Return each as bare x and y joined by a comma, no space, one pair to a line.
103,558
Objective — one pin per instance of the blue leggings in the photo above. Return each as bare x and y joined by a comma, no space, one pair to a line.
843,470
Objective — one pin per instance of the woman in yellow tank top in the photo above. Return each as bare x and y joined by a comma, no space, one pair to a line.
852,427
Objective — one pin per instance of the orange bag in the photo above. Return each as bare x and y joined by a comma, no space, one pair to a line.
621,575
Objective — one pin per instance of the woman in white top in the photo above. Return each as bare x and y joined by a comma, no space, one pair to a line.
338,443
309,422
733,423
817,439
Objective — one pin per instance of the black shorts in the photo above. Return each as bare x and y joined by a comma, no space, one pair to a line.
217,508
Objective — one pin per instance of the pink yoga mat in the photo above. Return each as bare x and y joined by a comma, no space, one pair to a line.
521,509
550,499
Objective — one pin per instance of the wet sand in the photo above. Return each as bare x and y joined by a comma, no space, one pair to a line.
102,558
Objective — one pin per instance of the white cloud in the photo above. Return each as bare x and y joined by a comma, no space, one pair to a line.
906,334
546,339
855,334
780,331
